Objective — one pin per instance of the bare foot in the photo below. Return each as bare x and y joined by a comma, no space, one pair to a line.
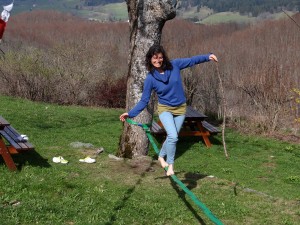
162,162
170,171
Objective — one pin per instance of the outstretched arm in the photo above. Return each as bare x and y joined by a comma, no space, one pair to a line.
183,63
141,105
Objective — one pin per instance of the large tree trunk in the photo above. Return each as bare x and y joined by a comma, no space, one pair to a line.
146,19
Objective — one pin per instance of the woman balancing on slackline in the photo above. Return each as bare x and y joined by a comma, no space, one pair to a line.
164,78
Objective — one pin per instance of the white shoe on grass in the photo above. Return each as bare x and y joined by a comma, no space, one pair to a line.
87,160
59,159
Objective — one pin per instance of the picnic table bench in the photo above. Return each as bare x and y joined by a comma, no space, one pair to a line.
194,125
11,142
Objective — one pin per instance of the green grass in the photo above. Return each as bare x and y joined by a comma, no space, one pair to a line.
118,10
115,12
235,17
259,184
193,13
227,17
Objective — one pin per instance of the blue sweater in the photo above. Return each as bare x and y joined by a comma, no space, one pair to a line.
168,86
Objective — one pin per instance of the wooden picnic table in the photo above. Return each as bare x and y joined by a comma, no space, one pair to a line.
194,125
11,142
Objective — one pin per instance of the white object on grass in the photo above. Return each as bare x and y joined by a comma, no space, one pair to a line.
59,159
87,160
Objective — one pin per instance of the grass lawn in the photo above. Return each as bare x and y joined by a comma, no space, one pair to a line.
259,184
118,10
227,17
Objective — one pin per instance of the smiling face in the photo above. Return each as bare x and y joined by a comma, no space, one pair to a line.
157,60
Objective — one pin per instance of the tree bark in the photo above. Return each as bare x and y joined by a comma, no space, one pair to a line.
146,20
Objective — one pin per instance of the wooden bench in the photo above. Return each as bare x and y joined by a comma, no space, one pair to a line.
11,142
194,125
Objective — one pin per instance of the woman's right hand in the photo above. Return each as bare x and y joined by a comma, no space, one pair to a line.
213,58
124,116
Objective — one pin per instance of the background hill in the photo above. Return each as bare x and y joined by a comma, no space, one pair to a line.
202,11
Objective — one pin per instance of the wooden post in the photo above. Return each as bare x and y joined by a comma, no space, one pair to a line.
6,156
205,134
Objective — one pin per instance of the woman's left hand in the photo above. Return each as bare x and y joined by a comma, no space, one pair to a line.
213,58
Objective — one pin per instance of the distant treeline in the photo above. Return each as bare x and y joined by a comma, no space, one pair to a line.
251,6
100,2
254,7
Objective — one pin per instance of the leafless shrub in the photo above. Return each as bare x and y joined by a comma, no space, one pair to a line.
60,58
259,65
110,93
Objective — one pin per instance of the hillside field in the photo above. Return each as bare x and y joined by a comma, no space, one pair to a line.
118,12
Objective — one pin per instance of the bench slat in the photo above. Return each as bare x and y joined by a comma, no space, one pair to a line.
17,137
3,122
210,127
14,138
192,114
10,139
157,129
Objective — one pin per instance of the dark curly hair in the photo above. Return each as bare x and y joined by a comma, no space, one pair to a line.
153,50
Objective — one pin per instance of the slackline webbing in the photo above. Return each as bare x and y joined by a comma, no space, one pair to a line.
206,211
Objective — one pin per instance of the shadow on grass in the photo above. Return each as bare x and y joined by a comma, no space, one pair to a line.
190,182
185,143
30,157
128,194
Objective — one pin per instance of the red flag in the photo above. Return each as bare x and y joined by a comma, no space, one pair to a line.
4,18
2,28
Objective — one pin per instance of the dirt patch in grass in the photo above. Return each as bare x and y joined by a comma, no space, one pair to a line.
142,164
136,166
125,170
270,165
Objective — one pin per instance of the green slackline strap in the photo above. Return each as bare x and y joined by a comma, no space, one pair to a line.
207,212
